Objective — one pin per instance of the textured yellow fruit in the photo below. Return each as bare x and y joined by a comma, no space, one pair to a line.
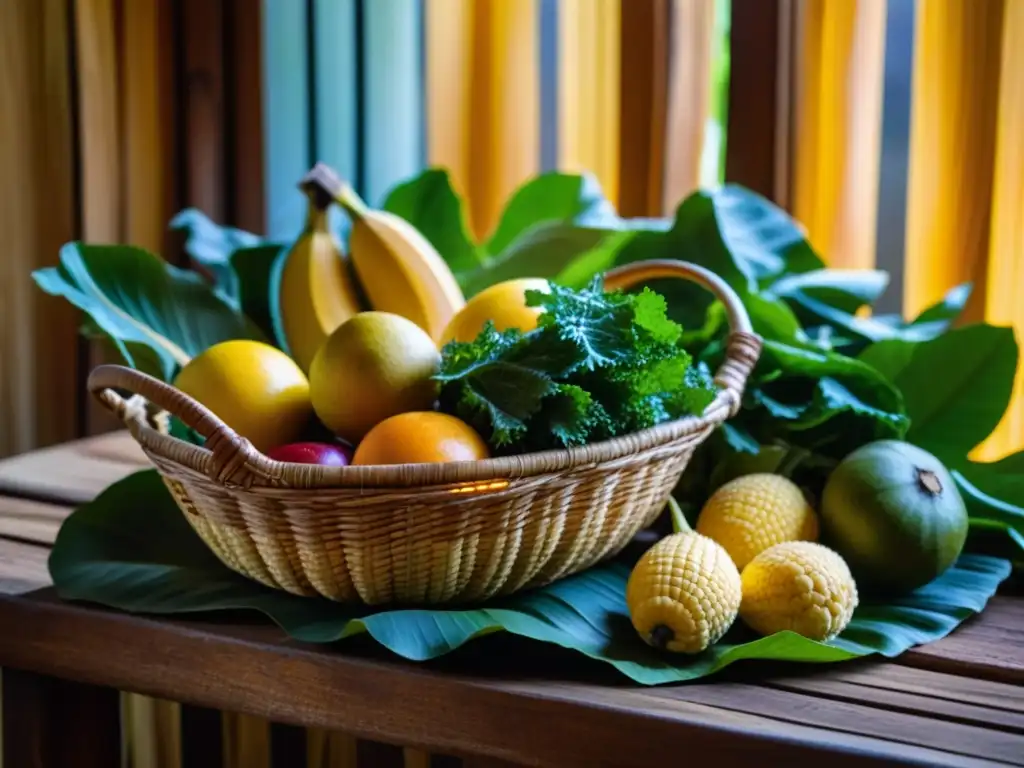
254,388
504,304
753,512
373,366
802,586
683,593
317,293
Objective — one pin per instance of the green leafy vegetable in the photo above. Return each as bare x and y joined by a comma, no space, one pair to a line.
136,300
107,553
598,365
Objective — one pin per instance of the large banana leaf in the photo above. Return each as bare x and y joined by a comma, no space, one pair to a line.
156,315
109,552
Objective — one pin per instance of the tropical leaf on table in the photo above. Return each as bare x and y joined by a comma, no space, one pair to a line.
156,315
109,554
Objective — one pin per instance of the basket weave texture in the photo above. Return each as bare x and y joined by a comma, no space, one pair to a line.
434,534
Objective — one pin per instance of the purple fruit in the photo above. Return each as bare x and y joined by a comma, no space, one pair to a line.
325,454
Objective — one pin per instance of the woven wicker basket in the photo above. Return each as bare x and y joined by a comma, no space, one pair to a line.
426,533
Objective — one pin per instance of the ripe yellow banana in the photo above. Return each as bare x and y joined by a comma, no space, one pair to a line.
398,268
318,291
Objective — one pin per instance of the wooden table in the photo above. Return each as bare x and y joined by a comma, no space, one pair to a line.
959,701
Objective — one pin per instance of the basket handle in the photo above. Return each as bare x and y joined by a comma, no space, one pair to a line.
743,347
231,451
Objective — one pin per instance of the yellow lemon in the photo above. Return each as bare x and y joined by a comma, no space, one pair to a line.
254,388
419,438
373,366
504,304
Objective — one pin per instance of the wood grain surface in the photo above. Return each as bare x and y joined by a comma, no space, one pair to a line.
958,701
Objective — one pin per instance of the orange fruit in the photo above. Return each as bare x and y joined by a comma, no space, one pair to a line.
502,303
254,388
420,437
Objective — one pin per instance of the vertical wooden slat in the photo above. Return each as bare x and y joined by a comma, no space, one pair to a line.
100,152
838,107
99,121
449,30
206,146
148,121
760,84
483,99
1003,304
38,336
57,723
589,36
643,107
689,97
335,80
392,109
287,153
504,133
245,114
952,148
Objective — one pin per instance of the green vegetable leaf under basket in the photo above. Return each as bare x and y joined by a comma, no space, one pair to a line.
132,550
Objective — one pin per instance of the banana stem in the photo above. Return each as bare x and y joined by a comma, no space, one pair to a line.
350,200
679,524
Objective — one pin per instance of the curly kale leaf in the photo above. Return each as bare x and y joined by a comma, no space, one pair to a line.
597,365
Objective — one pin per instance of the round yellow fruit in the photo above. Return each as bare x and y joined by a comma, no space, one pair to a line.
504,304
753,512
374,365
254,388
420,438
801,586
683,594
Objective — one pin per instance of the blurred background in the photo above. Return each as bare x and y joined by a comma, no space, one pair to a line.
892,129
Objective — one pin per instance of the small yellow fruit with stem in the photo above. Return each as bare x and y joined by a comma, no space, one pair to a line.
684,593
753,512
801,586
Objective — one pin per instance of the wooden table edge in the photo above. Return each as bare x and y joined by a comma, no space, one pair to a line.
297,684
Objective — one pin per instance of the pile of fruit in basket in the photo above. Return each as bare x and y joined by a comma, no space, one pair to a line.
387,358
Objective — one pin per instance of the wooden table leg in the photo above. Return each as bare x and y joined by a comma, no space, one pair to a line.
51,723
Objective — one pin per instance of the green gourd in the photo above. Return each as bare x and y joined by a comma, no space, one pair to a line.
893,512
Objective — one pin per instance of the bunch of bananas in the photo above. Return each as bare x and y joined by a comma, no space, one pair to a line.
390,267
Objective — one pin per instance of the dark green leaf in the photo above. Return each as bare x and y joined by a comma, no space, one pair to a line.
948,308
984,508
551,198
430,203
135,298
545,251
956,387
254,267
210,245
843,289
108,553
